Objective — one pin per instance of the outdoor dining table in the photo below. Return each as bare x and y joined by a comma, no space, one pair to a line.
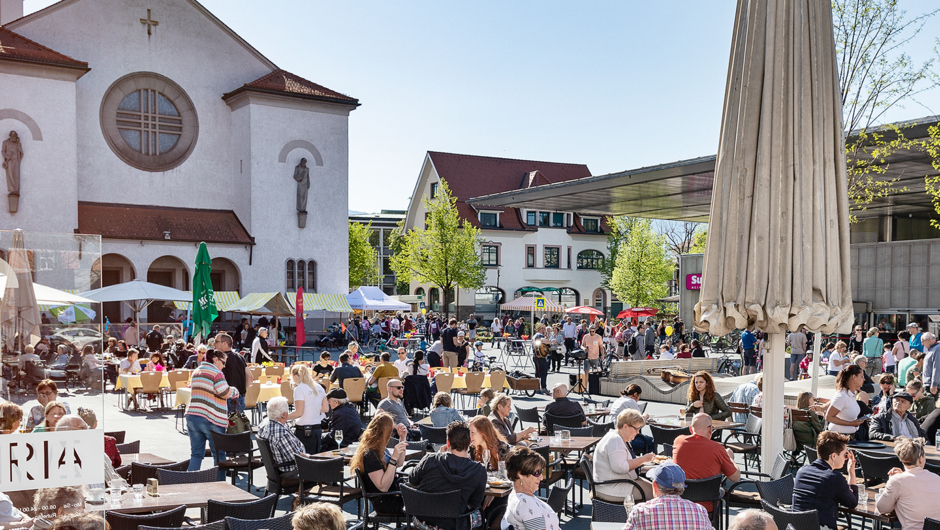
172,496
598,412
868,511
129,381
576,443
144,458
268,391
460,382
410,454
930,451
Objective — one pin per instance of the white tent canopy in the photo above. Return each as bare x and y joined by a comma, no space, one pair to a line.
48,296
373,299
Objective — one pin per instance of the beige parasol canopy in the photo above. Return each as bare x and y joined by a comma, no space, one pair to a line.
777,254
19,311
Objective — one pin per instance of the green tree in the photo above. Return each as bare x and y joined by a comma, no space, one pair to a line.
698,240
643,267
616,239
446,253
932,147
363,258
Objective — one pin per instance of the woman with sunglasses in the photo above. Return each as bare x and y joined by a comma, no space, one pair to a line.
524,510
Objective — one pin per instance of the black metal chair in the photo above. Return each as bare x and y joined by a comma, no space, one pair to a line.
274,523
129,448
734,496
239,455
469,413
931,524
811,454
326,481
552,473
551,421
778,491
124,472
438,505
373,516
434,435
607,512
416,445
581,431
117,435
933,468
125,521
529,416
557,498
277,484
706,490
262,508
141,472
588,468
808,520
662,435
748,442
875,468
600,429
667,450
166,476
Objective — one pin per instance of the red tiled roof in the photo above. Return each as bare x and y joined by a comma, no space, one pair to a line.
471,176
16,47
150,222
283,82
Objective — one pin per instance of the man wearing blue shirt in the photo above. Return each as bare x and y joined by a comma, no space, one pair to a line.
748,344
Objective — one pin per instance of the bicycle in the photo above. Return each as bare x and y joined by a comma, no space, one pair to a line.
730,366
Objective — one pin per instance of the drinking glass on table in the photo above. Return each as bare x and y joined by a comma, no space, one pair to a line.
338,436
138,491
862,495
486,458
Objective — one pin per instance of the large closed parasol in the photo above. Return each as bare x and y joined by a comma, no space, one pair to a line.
19,311
777,254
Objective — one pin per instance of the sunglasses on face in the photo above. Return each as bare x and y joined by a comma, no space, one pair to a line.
536,473
397,387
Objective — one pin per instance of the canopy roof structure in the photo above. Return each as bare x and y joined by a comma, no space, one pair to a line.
336,303
682,190
137,294
372,299
273,304
527,303
47,297
223,299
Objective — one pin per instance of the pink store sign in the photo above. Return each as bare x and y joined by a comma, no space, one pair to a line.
693,282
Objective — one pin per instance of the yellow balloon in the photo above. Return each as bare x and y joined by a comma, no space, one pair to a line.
669,330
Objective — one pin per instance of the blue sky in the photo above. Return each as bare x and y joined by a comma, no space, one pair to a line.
614,85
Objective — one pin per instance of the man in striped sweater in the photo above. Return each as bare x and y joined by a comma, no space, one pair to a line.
207,411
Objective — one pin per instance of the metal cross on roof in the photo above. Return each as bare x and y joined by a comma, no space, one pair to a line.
148,22
3,49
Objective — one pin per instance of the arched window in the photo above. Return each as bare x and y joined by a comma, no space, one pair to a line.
600,299
291,285
420,292
568,297
590,259
434,299
312,276
301,275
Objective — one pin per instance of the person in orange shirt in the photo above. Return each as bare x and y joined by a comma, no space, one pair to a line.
592,343
701,457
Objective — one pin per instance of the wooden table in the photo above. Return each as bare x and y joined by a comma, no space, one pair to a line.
598,412
133,381
171,496
930,451
577,443
410,454
675,423
144,458
500,492
268,391
868,511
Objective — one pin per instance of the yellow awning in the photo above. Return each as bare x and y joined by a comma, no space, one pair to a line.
223,299
323,302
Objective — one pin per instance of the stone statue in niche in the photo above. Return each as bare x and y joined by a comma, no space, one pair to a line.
12,155
302,176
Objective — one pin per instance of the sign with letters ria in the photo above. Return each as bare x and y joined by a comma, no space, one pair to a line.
52,459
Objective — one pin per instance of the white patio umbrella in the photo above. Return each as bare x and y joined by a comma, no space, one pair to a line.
19,311
777,254
137,295
47,296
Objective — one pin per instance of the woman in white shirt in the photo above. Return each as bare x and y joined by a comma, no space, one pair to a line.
843,410
524,510
838,358
614,460
310,405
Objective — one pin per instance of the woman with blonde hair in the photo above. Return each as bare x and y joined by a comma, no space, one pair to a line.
54,412
910,493
11,415
807,431
502,408
310,406
872,349
703,398
378,476
319,516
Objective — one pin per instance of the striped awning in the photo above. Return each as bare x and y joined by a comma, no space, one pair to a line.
323,302
527,303
262,304
223,299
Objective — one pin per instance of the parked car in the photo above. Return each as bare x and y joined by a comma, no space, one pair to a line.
79,337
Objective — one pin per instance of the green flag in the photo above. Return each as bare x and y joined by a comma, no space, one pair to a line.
204,309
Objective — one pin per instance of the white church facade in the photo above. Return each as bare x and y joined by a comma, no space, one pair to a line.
156,126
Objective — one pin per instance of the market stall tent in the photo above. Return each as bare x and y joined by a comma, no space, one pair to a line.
373,299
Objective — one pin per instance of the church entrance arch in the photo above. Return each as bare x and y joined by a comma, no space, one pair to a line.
171,272
115,269
225,275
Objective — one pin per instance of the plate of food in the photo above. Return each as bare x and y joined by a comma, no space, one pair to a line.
659,459
498,483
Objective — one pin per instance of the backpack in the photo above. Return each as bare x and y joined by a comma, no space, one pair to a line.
633,346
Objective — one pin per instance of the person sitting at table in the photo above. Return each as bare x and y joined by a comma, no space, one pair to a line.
684,352
910,493
323,367
343,418
319,516
924,403
310,405
701,457
485,441
483,403
345,370
403,363
614,459
11,415
807,431
196,359
838,359
384,369
130,365
564,407
703,398
896,421
95,368
156,364
502,407
524,510
453,470
393,405
818,486
284,444
668,481
442,412
378,473
886,391
54,411
843,412
419,366
46,392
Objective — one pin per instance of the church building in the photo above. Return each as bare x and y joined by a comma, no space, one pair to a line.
156,126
